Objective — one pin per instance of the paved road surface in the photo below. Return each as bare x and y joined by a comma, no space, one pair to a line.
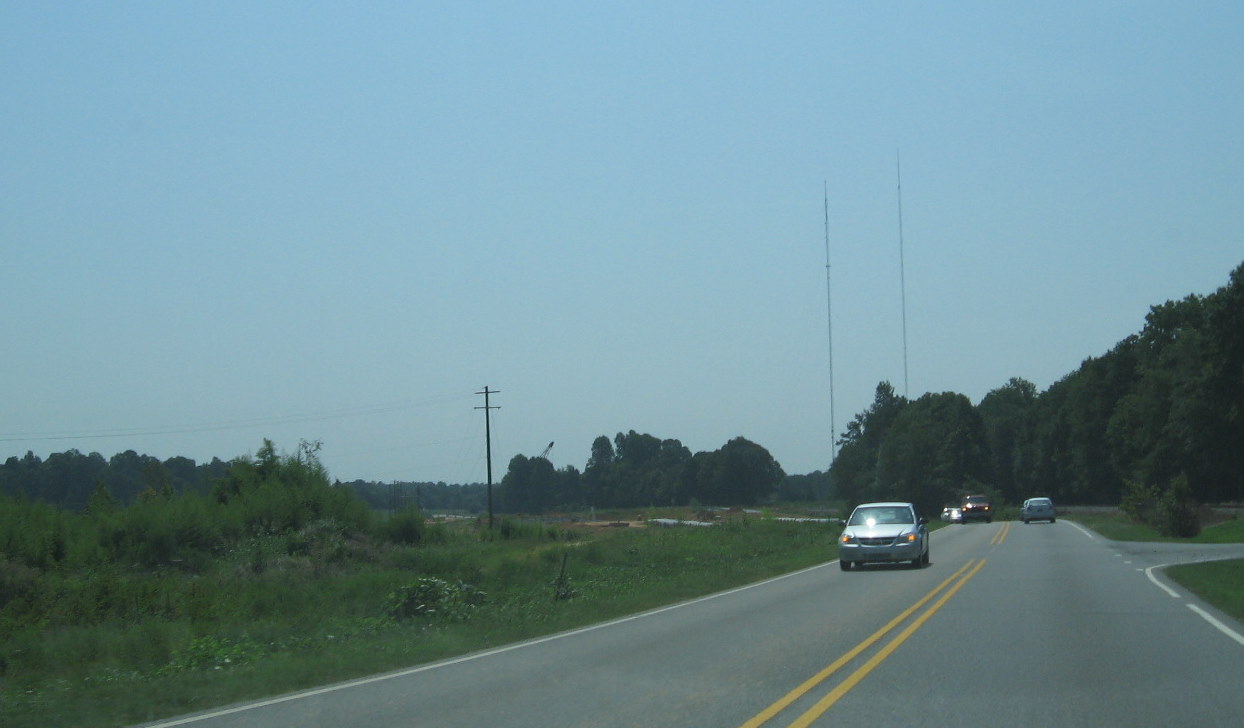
1011,624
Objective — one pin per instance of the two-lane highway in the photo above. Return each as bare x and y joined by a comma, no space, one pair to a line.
1061,627
1029,625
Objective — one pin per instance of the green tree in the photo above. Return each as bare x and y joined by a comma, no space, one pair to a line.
813,486
935,451
529,486
741,473
598,475
270,493
1219,448
1006,413
853,473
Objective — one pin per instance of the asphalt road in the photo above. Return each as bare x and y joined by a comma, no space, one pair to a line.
1011,624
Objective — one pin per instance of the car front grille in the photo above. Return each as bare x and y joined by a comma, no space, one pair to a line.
876,541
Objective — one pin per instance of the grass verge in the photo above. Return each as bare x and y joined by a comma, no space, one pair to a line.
1220,583
170,643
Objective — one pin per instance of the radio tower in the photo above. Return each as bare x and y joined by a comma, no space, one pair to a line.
902,276
829,305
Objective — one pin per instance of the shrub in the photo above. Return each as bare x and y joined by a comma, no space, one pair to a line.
434,599
17,581
1177,513
1169,509
404,527
215,653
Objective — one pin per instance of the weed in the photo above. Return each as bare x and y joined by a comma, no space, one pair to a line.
434,599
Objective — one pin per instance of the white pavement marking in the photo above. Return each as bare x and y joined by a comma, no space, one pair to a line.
1217,623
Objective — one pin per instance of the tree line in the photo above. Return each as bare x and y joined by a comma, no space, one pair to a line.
631,470
69,479
1155,424
636,469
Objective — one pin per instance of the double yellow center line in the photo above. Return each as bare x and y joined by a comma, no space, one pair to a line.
966,572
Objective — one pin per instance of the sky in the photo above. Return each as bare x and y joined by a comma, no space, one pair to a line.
339,222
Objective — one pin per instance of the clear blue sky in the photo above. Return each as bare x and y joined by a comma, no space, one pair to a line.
221,222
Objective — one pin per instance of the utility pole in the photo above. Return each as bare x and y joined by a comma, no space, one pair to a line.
488,445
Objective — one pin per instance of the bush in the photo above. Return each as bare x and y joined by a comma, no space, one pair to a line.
1169,509
1177,513
434,599
404,527
215,653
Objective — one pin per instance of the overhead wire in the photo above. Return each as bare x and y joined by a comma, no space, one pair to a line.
317,416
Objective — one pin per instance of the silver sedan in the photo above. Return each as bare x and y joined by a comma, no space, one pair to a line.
884,533
1037,509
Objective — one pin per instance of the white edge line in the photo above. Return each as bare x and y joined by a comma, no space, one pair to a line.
1160,585
1204,614
467,658
1217,623
1082,530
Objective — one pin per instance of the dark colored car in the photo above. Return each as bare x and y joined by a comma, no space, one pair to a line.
976,508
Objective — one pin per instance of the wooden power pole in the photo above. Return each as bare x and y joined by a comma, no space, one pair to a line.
488,444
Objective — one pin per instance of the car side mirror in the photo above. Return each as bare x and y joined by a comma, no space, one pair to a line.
923,521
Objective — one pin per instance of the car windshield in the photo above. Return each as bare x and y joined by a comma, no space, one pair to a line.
881,515
1039,502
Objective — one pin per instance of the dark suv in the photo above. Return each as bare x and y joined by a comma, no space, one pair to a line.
977,508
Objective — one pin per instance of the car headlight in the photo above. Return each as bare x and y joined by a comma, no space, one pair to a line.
847,538
908,538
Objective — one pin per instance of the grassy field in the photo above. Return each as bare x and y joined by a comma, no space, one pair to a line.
1221,583
124,647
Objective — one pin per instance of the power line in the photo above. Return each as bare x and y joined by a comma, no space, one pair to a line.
360,411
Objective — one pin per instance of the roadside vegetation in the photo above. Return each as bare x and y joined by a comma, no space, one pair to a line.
1222,526
280,581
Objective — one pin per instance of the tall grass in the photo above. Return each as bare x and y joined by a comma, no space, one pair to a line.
119,645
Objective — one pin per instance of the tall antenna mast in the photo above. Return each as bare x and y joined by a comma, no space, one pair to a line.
829,305
902,276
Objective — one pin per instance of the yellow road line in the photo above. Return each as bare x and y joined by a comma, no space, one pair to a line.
845,686
766,714
1001,535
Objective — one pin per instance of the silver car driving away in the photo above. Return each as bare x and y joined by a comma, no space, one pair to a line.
1037,509
884,533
